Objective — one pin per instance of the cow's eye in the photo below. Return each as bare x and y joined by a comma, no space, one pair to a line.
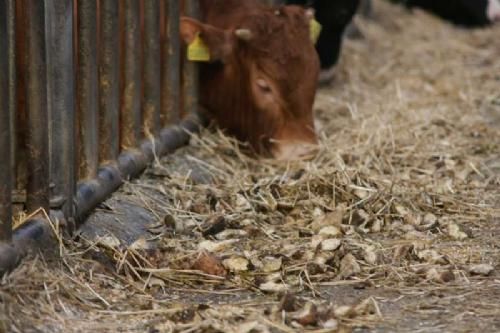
264,86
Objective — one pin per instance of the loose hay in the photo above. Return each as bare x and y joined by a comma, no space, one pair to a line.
395,220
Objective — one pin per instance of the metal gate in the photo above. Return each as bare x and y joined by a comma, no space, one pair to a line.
90,92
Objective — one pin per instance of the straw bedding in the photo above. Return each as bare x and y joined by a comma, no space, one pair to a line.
394,226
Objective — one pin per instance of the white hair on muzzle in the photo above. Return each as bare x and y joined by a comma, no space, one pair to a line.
493,11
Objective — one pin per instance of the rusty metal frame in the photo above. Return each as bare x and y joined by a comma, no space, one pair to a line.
131,76
109,80
15,244
152,74
5,130
171,74
96,116
12,81
190,77
86,90
61,102
37,111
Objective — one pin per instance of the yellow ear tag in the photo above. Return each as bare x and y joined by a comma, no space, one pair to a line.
315,27
198,50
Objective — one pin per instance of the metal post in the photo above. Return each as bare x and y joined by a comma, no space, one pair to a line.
190,80
87,93
20,121
152,81
5,130
36,105
171,63
131,71
109,80
60,81
11,31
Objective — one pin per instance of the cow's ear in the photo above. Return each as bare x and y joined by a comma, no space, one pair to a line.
189,29
219,42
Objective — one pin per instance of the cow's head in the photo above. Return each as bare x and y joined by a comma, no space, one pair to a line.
261,79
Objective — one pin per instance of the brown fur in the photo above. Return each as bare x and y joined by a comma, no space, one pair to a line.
280,51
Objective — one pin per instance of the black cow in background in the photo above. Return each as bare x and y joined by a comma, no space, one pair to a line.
334,16
468,13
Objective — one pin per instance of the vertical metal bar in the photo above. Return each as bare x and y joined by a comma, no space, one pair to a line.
190,70
171,64
36,94
152,79
60,81
5,131
11,31
87,93
109,80
20,121
130,116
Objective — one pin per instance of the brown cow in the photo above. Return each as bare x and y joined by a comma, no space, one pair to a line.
261,79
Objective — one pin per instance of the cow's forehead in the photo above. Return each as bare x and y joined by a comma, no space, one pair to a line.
279,35
276,21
